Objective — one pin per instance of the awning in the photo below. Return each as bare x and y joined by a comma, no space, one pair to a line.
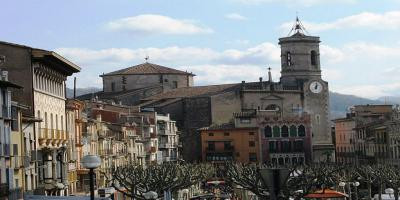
327,193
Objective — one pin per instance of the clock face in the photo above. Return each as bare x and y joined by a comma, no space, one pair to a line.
316,87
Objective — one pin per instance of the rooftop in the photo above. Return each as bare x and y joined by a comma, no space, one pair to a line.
197,91
147,68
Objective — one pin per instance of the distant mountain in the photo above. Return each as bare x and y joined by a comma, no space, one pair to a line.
81,91
390,99
339,103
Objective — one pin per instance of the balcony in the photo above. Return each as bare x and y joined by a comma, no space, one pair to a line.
106,152
165,132
16,162
226,149
52,136
166,146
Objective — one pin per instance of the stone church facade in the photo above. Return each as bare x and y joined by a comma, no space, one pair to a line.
301,95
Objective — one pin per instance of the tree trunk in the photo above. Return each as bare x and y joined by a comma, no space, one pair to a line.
380,191
396,193
369,190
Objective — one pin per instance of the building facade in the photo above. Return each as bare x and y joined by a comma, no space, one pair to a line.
43,74
299,90
222,143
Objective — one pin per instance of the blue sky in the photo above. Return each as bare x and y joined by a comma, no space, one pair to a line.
222,41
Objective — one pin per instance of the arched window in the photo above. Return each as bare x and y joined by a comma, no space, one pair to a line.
302,131
313,57
268,131
285,131
288,59
287,160
45,120
293,131
276,131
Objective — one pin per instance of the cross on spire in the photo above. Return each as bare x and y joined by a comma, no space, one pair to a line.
147,58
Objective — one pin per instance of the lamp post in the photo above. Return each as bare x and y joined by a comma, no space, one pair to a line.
389,191
355,184
150,195
91,162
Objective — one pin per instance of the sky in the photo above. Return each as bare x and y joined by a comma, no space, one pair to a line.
221,41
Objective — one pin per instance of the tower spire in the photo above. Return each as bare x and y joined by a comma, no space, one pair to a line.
298,28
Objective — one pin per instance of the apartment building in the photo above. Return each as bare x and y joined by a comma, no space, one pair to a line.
43,74
10,157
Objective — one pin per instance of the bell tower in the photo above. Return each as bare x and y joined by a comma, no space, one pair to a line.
299,56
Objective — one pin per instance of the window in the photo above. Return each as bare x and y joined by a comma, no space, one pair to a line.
14,116
211,146
272,146
228,146
317,119
15,149
166,80
293,131
286,147
252,157
276,131
226,134
123,88
302,131
313,57
123,80
298,146
112,86
267,131
285,131
210,134
252,143
161,78
251,133
288,59
175,84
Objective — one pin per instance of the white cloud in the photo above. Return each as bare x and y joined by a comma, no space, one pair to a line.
235,16
371,91
156,24
372,21
297,2
360,68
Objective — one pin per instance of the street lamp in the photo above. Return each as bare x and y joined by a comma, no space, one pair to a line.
356,184
389,191
150,195
91,162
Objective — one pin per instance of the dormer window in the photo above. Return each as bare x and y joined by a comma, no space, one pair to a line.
288,59
313,57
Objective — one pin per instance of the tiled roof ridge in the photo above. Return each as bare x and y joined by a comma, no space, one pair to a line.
147,68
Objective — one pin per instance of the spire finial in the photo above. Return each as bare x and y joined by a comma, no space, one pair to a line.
298,27
147,58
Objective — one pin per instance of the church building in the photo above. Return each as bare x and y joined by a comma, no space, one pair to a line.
291,115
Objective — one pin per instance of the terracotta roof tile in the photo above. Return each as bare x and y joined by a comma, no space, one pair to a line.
147,68
196,91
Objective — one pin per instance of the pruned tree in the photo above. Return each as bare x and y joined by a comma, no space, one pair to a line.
309,178
394,180
248,177
135,180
